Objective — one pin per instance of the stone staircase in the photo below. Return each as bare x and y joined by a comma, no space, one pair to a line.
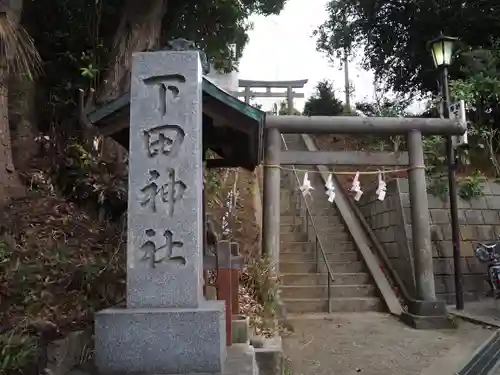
303,279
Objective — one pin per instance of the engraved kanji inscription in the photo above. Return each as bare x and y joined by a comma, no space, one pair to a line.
161,248
164,139
167,190
167,83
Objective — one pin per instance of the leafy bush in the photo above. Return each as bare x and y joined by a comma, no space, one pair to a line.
17,352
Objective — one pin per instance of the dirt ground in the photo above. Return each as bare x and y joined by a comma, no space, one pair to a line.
373,344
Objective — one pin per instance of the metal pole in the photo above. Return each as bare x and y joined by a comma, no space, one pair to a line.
316,255
329,293
271,199
421,233
346,78
452,189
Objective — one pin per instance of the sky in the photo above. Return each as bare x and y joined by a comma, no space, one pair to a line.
282,48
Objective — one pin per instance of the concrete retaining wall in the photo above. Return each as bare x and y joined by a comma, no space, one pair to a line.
385,219
479,221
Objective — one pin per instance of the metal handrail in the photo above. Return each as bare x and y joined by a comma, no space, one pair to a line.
317,240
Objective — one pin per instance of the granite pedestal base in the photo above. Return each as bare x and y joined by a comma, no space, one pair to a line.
428,315
161,340
428,322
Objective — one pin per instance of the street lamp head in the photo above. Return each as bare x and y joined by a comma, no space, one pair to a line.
4,7
442,49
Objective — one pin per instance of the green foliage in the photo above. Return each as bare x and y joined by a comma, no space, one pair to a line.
468,187
481,81
212,178
393,35
212,181
288,367
17,352
4,252
89,71
471,186
85,177
434,151
75,39
437,185
220,27
481,90
487,139
383,107
283,109
323,101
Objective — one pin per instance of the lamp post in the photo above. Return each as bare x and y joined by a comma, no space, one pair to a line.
442,50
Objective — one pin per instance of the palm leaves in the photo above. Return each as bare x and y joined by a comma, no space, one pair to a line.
18,53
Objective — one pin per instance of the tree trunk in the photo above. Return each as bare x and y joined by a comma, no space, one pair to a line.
139,30
10,184
23,125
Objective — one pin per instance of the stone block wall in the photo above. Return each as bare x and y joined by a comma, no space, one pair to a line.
385,219
479,222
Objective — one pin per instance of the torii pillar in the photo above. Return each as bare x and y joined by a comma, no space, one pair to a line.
425,303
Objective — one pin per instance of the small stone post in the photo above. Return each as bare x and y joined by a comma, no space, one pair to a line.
236,265
168,327
224,283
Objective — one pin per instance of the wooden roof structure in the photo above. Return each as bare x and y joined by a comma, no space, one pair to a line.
231,128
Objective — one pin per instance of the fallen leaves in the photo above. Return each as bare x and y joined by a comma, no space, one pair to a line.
64,265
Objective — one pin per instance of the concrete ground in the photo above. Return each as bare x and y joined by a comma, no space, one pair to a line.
376,344
484,311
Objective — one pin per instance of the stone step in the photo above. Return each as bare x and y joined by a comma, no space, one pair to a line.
338,235
332,238
341,304
293,237
336,267
287,210
291,220
321,291
327,227
292,228
322,278
296,247
298,220
345,256
299,227
309,247
315,211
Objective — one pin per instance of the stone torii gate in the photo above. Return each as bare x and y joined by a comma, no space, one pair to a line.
413,128
289,94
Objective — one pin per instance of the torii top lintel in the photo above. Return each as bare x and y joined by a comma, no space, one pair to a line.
364,125
297,84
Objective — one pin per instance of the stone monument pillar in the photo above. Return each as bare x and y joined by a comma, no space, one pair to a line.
168,327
